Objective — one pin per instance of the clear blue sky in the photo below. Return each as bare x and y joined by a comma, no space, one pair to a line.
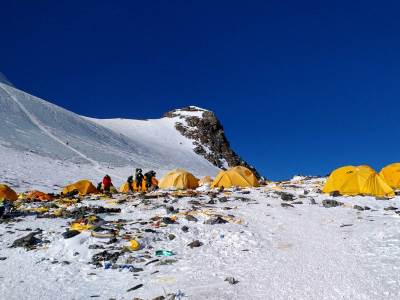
300,86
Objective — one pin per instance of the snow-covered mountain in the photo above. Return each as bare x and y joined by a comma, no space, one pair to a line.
43,145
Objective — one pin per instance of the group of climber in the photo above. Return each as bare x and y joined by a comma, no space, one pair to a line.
142,183
136,183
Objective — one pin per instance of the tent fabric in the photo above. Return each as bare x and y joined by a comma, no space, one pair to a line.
179,179
238,176
357,180
125,188
84,187
7,193
37,195
206,180
391,175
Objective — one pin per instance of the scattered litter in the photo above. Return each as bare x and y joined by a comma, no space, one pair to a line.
135,287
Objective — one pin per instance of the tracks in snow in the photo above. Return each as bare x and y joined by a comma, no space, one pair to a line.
47,131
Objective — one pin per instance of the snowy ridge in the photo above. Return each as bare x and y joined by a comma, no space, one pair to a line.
31,125
4,79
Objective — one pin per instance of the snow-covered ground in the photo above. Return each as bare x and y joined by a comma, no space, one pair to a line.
275,251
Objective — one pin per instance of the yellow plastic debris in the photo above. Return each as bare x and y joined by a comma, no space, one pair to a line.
81,227
134,245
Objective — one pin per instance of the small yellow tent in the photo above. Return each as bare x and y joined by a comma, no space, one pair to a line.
84,187
357,180
237,176
125,188
206,180
391,175
178,179
7,193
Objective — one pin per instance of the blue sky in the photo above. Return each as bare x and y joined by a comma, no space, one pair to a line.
301,87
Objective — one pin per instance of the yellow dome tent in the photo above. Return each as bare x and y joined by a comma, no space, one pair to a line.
84,187
357,180
205,180
391,175
7,193
125,188
238,176
178,179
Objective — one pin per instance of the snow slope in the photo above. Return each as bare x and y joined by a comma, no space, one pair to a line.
31,125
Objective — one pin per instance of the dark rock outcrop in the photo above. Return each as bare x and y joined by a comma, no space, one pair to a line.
209,140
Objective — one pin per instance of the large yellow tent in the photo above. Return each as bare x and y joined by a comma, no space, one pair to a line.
391,174
357,180
178,179
7,193
237,176
84,187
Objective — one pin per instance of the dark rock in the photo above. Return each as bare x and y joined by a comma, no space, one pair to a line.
28,242
191,218
159,298
367,208
231,280
96,246
171,210
335,194
223,199
212,201
207,132
171,236
216,220
70,233
358,207
3,258
312,201
390,208
331,203
287,196
195,244
185,228
297,202
286,205
102,210
167,220
105,256
149,230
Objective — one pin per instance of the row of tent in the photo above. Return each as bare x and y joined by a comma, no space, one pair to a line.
180,179
364,180
347,180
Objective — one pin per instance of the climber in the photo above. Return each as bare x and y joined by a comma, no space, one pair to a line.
107,183
138,179
130,183
151,183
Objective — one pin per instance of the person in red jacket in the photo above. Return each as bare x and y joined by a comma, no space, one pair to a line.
107,183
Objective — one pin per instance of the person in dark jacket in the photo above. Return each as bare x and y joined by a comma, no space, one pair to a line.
130,183
139,178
